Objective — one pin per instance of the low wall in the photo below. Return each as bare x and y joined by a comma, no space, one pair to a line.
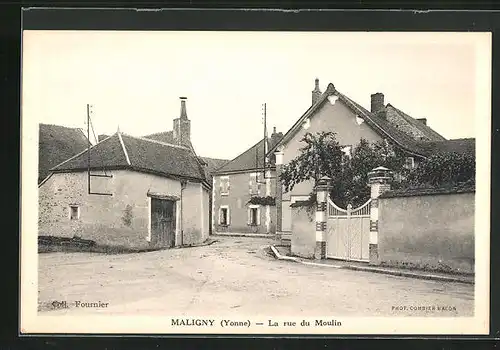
432,231
303,238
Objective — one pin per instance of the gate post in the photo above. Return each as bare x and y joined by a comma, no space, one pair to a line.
323,187
379,180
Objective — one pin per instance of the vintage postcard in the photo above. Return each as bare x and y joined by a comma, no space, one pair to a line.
255,182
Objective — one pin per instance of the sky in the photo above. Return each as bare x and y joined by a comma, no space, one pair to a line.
134,80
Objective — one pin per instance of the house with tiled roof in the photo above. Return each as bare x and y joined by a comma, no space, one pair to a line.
130,191
243,191
57,143
333,111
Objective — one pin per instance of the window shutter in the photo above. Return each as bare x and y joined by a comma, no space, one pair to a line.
221,188
258,216
228,216
220,215
259,179
249,216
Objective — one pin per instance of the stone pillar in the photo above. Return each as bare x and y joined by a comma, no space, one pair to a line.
279,190
379,180
323,187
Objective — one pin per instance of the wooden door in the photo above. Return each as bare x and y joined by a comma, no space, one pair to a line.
162,223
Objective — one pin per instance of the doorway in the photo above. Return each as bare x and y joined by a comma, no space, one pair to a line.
163,223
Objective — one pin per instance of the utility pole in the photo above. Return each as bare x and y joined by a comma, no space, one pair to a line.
265,138
88,151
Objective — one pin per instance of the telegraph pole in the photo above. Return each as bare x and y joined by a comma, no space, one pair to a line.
88,151
265,139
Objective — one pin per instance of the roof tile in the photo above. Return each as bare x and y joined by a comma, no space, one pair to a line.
56,144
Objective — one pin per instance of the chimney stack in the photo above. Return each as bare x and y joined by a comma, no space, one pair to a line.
316,93
275,137
377,102
183,107
182,126
422,120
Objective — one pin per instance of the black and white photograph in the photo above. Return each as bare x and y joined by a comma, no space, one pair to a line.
255,182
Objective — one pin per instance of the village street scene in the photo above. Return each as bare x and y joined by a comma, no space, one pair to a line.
173,181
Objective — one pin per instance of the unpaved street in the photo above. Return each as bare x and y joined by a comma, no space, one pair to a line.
235,276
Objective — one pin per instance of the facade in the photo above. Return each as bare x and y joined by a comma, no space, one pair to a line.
130,191
333,111
243,192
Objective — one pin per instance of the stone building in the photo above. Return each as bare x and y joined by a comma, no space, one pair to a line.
130,191
244,189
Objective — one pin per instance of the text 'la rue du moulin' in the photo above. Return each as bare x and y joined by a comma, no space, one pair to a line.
247,323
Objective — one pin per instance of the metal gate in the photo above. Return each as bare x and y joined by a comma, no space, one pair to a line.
348,232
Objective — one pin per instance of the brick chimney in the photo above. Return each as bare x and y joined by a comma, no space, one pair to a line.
377,102
422,120
275,137
182,126
316,93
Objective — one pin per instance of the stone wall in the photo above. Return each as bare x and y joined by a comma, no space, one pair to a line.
120,219
303,239
434,232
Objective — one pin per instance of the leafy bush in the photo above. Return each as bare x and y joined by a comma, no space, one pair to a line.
268,200
444,170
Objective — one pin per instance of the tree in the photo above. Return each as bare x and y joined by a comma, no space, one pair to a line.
445,170
322,155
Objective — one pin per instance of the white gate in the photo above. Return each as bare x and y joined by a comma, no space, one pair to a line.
348,232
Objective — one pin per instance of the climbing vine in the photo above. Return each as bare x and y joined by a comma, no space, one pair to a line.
258,200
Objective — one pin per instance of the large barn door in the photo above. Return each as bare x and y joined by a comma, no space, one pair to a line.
162,223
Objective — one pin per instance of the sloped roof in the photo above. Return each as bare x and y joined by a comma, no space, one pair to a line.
57,143
165,136
122,151
102,137
252,158
376,122
214,163
384,128
428,132
463,146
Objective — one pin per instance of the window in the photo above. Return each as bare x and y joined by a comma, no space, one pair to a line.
409,163
74,212
254,183
224,218
224,185
254,215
